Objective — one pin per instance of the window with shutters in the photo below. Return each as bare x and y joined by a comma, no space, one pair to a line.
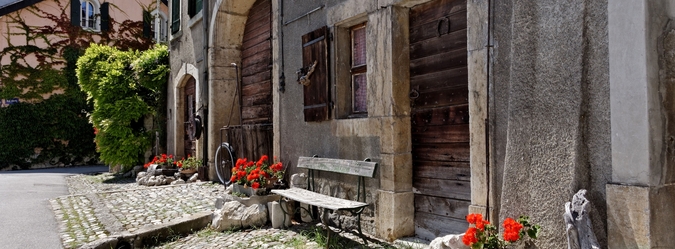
194,7
155,25
89,14
175,16
314,75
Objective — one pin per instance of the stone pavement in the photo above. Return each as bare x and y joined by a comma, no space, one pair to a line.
104,207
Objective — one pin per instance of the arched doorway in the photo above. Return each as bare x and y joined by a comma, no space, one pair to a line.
249,106
189,103
256,65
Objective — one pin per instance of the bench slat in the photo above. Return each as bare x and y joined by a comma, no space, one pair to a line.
319,200
350,167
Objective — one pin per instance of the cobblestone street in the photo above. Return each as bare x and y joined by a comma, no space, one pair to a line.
103,206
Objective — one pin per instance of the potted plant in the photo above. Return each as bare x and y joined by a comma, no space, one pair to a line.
255,177
165,164
189,165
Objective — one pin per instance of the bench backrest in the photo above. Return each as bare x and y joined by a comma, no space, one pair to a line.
350,167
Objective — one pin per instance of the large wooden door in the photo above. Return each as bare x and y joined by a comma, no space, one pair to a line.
189,115
440,117
257,65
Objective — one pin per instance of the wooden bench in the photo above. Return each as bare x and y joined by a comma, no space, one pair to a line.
362,169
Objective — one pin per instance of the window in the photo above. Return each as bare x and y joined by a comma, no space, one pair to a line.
89,15
175,16
358,69
158,26
155,25
194,7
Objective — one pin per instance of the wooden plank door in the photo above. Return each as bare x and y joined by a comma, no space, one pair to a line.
440,117
190,103
256,65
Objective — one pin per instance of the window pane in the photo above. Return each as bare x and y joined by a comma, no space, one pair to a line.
359,46
91,17
360,88
83,15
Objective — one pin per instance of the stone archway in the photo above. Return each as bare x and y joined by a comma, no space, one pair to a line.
187,72
226,32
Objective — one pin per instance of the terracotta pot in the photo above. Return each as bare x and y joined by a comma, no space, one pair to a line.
188,171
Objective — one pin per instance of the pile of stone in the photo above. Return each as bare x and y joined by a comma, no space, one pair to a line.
234,212
156,177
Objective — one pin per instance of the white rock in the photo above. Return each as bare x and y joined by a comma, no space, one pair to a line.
235,215
277,214
299,180
304,215
140,175
193,178
452,241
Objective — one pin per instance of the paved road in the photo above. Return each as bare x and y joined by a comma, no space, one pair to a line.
26,219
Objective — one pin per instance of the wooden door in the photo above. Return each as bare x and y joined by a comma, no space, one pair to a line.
440,117
189,115
256,65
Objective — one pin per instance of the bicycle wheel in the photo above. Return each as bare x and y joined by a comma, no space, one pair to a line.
224,163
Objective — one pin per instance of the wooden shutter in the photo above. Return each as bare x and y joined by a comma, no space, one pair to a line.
194,6
75,8
105,16
147,30
316,94
175,16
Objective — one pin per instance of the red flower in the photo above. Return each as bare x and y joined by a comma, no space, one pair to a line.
95,131
511,229
255,185
473,218
480,224
470,236
511,236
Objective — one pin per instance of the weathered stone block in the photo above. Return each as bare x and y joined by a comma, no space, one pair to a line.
277,214
395,215
235,215
396,172
396,135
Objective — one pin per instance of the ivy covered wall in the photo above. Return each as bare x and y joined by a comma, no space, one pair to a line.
40,49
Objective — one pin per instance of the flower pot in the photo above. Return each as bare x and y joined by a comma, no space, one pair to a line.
248,191
188,171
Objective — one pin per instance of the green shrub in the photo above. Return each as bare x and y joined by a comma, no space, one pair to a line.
125,87
56,128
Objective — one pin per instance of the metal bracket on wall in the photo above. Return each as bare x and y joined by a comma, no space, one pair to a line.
304,15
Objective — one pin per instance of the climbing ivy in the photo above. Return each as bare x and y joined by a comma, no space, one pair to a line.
126,88
54,123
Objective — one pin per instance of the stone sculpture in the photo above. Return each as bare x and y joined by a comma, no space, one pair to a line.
578,225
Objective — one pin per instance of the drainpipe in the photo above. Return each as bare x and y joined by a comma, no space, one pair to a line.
487,108
205,83
282,78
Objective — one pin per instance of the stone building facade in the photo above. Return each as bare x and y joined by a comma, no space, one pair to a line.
510,106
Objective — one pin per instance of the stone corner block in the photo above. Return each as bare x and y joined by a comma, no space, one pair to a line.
395,215
396,172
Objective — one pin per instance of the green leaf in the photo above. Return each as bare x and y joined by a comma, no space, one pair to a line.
534,231
477,245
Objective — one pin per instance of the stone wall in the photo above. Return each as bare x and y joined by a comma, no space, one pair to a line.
550,111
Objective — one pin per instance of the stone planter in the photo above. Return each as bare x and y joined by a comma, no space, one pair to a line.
248,191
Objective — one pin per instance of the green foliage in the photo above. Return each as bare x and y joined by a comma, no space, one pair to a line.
57,127
126,88
40,61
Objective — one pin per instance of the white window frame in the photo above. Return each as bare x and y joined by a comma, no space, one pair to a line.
96,8
160,26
